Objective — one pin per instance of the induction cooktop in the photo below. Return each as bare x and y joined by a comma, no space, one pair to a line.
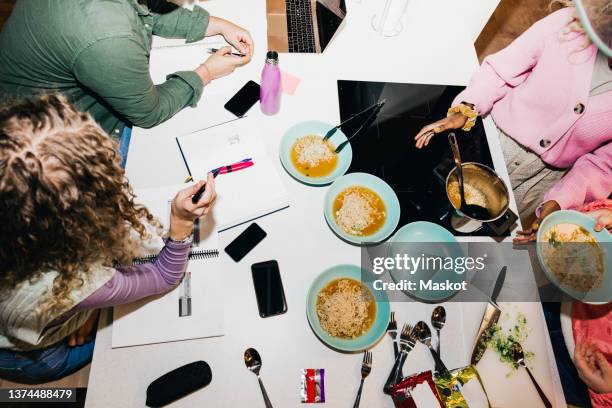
387,149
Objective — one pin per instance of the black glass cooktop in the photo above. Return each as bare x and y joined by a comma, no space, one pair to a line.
387,150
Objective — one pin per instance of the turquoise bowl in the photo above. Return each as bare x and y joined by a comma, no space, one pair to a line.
413,239
363,342
375,184
314,127
604,293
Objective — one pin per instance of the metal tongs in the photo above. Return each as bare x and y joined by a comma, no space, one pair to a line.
375,110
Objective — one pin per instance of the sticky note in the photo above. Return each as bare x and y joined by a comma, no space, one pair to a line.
290,82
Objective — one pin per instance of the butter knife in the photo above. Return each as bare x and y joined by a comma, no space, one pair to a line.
489,318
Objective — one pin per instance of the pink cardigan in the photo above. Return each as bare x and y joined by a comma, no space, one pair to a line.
537,90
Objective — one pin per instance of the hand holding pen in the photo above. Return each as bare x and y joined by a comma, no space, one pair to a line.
241,165
184,211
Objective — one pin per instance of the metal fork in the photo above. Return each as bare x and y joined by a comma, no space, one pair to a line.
392,331
407,342
366,367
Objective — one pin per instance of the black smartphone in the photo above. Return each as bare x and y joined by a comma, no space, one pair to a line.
269,289
244,99
243,243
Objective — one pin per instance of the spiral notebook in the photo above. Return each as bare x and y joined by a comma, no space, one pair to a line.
194,309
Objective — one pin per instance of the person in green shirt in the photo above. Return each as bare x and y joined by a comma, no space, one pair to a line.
96,53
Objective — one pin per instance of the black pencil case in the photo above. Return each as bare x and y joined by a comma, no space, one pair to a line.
178,383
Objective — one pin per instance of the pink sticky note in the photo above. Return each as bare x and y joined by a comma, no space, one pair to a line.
290,82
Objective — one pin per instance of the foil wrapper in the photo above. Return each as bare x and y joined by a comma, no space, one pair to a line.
312,388
402,391
449,387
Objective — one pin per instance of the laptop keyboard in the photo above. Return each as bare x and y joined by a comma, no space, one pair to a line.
299,26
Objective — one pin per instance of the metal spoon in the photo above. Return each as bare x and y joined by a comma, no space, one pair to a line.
253,363
519,357
438,318
471,210
423,335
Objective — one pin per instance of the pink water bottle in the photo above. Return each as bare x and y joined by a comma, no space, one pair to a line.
271,86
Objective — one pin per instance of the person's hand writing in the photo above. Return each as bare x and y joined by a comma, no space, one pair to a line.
183,212
593,367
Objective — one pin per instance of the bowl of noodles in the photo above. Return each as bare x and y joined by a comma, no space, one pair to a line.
344,311
361,208
575,257
310,159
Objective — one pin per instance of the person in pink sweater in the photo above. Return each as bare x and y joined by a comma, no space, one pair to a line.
550,94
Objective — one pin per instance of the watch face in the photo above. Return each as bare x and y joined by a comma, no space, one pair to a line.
596,19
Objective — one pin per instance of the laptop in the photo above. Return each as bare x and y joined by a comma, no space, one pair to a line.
305,26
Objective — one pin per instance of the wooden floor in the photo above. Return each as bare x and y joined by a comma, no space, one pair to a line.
510,19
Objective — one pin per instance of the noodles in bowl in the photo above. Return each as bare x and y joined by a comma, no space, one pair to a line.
346,308
314,157
359,211
574,256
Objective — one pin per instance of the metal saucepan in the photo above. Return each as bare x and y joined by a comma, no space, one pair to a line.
486,181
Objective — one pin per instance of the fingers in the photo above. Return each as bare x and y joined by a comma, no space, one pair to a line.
598,227
223,51
429,131
209,195
524,237
72,339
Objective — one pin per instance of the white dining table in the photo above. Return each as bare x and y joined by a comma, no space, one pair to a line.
436,47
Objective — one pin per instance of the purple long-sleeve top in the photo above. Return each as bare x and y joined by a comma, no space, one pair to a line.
136,282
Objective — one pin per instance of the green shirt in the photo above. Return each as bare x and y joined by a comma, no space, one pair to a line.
96,52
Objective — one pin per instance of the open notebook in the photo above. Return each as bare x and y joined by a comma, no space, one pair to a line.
194,309
243,195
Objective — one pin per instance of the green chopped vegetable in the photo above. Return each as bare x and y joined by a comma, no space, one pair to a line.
503,342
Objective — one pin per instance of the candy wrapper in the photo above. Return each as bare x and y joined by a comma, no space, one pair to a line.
312,389
460,391
416,391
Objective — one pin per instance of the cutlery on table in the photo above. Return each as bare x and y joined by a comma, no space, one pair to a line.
519,357
489,318
438,318
471,210
423,335
407,342
366,367
367,122
253,363
331,131
392,332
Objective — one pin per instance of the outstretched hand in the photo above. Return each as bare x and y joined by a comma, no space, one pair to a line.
593,367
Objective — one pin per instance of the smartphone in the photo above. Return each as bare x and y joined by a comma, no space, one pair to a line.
244,99
269,289
243,243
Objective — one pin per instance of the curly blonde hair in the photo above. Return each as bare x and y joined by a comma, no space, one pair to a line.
65,202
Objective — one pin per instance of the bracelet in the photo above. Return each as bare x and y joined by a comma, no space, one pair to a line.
467,111
188,240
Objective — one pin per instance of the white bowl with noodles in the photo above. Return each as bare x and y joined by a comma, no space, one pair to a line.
329,170
349,224
569,266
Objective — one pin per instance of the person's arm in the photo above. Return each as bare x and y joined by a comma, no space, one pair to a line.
182,23
137,282
117,70
511,66
498,73
589,179
134,283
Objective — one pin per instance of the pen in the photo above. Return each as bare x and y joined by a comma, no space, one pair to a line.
235,54
241,165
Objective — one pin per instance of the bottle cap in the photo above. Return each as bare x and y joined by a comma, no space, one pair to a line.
272,57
